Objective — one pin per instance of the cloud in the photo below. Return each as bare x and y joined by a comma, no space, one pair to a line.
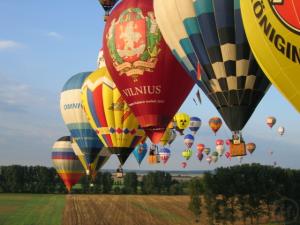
54,35
9,44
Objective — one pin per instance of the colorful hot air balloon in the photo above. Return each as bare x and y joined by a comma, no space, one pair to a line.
209,159
271,121
281,130
136,56
195,124
187,154
164,155
273,28
152,158
219,142
66,163
109,115
207,151
189,140
107,6
214,157
200,155
89,145
220,149
183,164
172,137
200,147
215,124
166,137
140,152
251,147
228,155
207,36
181,122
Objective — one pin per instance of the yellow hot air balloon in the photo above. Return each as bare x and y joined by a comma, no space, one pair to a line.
181,121
109,115
272,29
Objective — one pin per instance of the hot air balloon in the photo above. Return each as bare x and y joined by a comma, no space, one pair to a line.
140,152
215,124
219,142
187,154
181,122
189,140
89,145
166,137
273,29
228,142
66,163
183,165
200,155
195,124
136,56
107,6
206,151
220,149
214,157
153,155
281,130
228,155
209,159
172,137
164,155
208,37
109,115
200,147
271,121
251,147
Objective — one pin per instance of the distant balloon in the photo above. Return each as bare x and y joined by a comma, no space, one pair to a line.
220,149
200,147
215,124
164,155
107,6
187,154
281,130
183,165
181,121
228,142
66,163
140,152
195,124
219,142
207,151
189,140
209,159
200,155
228,155
271,121
251,147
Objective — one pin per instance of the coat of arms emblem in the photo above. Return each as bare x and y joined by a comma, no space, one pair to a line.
133,42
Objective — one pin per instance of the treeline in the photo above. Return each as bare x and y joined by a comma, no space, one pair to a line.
254,194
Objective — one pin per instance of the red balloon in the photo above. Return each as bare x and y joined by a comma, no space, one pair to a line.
219,142
150,79
183,164
200,147
228,141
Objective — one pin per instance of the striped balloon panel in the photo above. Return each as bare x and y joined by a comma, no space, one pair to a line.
66,162
107,112
76,120
211,32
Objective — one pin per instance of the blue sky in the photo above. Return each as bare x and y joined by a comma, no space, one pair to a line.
43,43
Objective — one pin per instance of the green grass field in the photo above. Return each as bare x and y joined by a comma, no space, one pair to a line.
28,209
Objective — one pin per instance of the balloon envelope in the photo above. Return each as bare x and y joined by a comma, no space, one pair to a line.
66,163
208,36
140,152
195,124
271,121
187,154
89,145
189,140
136,56
109,115
215,124
164,155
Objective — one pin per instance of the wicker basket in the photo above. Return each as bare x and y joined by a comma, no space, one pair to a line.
238,149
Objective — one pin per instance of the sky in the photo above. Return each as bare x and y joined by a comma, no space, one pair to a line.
44,43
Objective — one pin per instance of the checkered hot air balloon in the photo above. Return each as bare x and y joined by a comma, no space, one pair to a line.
66,163
209,34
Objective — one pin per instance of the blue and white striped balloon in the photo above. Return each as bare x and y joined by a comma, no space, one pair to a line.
189,140
195,124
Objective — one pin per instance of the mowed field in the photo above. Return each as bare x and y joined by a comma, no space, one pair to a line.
127,210
28,209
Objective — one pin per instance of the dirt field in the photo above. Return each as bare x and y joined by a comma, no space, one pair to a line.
127,210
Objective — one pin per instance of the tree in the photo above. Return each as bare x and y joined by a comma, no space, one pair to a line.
107,182
130,183
195,200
